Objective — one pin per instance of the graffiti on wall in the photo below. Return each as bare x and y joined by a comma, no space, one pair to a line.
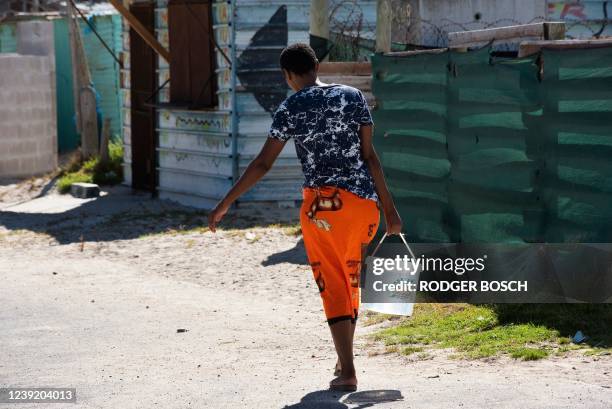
209,121
583,19
571,10
258,69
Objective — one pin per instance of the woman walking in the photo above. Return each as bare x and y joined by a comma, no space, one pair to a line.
344,190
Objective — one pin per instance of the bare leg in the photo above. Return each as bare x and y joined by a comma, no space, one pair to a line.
342,333
338,369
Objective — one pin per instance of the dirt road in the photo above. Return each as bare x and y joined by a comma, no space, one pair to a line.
94,291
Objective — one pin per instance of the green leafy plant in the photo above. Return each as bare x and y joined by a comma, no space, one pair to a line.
93,170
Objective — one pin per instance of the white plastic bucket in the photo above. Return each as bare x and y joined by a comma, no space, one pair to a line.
394,308
404,308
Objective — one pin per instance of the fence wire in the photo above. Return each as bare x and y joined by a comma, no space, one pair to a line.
353,30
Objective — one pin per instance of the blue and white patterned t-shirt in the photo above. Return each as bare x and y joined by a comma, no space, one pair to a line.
324,122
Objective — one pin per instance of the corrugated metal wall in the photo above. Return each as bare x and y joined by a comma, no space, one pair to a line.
124,94
200,153
263,29
195,147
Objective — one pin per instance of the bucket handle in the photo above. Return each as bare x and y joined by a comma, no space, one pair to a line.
401,237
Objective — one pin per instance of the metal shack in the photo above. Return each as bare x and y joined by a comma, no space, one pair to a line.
193,123
104,70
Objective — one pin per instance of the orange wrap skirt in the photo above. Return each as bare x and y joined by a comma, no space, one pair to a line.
337,226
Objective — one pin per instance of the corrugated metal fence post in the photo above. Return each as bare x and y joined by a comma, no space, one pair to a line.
234,125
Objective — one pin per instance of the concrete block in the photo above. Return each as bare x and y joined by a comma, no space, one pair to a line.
84,190
35,38
27,116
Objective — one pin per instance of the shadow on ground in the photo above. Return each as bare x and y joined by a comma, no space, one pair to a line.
123,214
326,399
296,255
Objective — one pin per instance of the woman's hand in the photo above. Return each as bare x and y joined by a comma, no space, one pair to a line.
255,171
393,222
216,215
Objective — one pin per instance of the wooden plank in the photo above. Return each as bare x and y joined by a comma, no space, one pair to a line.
532,47
549,30
361,82
554,31
345,68
106,130
89,122
383,26
85,96
416,52
75,73
319,18
319,23
141,30
29,16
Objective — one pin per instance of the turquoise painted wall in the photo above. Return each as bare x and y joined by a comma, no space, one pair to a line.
104,69
8,42
68,138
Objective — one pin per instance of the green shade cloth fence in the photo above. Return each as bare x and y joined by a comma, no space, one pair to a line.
484,149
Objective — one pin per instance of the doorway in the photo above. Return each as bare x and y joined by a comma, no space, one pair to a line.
143,63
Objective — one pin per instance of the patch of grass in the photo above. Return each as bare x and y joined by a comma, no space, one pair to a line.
598,352
594,320
523,331
373,318
564,348
472,331
181,230
294,230
65,181
528,354
93,170
411,350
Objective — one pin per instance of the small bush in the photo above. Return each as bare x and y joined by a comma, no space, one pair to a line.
63,185
94,171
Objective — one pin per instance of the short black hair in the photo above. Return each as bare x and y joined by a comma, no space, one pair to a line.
298,58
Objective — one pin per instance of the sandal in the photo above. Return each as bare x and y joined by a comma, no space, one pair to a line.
343,388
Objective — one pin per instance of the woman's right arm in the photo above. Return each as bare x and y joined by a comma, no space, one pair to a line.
255,171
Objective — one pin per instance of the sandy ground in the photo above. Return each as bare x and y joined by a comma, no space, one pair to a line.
14,191
94,291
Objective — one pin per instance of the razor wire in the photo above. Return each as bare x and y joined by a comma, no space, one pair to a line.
353,35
